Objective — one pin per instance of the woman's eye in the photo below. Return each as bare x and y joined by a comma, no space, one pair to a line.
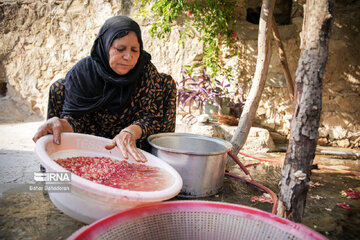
120,49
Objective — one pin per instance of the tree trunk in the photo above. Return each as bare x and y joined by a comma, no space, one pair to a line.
264,54
300,153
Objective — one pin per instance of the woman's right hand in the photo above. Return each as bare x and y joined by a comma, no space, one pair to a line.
53,126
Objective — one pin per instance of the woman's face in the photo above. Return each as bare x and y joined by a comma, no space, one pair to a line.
124,53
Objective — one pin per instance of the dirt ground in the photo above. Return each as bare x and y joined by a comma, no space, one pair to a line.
26,215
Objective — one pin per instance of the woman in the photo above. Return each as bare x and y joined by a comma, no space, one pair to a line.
116,92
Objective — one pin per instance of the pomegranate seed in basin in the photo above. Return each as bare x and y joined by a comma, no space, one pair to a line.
117,174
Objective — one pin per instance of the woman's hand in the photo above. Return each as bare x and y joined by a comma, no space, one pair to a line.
126,142
53,126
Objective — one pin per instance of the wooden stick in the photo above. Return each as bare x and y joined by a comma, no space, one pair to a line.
353,145
283,59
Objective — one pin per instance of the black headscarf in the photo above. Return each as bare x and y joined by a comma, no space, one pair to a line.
91,83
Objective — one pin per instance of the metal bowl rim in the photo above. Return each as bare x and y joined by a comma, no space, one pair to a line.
227,145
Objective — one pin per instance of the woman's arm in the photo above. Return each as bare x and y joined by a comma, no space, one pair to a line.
169,119
126,141
53,126
157,103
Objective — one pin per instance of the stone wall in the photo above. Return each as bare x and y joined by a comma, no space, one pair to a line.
41,40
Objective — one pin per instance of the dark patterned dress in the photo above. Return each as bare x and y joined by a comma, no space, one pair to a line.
153,108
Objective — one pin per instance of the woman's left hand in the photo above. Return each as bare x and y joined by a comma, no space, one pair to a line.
126,142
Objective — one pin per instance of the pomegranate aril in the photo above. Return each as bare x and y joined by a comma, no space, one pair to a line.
118,174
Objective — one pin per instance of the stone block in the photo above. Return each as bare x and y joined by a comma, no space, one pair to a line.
323,141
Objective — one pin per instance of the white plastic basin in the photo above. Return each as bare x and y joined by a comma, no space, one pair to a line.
89,201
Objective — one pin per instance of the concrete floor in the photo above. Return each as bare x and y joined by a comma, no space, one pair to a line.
18,161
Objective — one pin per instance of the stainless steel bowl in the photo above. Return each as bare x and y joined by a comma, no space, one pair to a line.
200,160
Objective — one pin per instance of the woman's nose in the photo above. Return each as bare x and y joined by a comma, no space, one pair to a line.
126,56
